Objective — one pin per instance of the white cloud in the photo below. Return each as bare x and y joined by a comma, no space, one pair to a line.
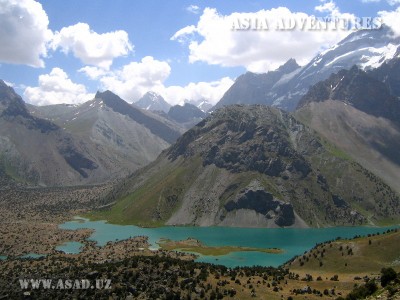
90,47
392,19
393,2
184,34
23,32
93,72
326,7
333,11
133,80
212,39
136,78
56,88
212,91
194,9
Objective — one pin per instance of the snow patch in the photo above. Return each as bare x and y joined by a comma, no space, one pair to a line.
380,55
334,88
286,78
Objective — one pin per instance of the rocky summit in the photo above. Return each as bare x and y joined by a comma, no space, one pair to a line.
252,166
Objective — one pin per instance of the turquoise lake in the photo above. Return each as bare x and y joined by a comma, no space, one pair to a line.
32,255
70,247
292,241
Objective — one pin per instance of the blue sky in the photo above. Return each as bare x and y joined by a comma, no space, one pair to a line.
64,51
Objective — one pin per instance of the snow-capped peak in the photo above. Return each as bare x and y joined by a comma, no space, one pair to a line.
153,101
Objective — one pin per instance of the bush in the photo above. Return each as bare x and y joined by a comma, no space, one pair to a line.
387,275
363,291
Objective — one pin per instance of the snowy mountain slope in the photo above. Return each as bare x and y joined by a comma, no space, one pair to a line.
367,49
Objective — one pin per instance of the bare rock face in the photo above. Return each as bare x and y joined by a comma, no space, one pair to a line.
264,203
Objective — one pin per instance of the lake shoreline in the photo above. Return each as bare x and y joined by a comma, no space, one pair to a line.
232,243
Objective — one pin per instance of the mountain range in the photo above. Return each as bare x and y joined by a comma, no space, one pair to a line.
334,161
100,140
316,145
284,87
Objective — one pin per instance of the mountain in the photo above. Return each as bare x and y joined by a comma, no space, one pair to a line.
37,151
367,49
252,166
155,124
154,102
97,141
358,89
202,104
358,112
389,74
188,115
252,88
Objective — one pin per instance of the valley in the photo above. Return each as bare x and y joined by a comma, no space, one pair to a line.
137,272
250,179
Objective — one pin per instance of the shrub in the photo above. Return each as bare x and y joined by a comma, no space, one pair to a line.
387,275
363,291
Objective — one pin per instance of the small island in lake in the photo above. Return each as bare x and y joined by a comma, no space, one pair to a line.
194,245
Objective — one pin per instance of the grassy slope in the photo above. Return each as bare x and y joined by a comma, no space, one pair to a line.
357,134
162,191
364,255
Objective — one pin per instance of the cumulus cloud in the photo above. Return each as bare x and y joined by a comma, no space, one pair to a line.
212,39
212,91
24,32
136,78
392,19
90,47
133,80
56,88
